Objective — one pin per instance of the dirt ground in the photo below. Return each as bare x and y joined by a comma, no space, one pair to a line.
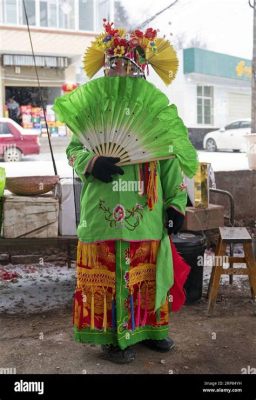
223,343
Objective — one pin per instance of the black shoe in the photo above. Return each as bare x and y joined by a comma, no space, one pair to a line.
118,356
162,346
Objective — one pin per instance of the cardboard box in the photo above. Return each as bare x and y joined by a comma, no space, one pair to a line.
200,219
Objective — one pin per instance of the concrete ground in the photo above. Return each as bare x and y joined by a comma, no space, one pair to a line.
36,330
42,165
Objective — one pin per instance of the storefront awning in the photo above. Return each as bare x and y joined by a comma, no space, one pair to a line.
209,63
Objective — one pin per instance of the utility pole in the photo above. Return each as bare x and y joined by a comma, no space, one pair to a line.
252,4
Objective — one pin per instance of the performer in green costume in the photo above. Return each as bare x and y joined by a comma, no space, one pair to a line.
129,275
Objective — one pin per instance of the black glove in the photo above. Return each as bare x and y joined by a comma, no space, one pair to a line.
104,168
174,220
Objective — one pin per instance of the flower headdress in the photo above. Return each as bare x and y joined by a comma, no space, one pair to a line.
142,48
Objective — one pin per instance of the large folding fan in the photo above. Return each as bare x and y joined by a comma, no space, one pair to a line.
129,118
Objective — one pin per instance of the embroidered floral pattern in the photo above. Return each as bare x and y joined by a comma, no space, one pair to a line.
119,213
120,217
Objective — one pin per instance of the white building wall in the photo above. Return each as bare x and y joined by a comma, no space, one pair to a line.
220,109
177,92
49,42
183,93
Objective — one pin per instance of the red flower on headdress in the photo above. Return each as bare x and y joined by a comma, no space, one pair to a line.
138,33
150,33
109,27
120,42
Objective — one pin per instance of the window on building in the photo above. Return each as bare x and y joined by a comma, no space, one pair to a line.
31,12
66,14
86,15
9,11
52,14
43,13
205,105
102,11
48,13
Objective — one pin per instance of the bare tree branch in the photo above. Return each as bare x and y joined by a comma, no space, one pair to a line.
250,4
156,15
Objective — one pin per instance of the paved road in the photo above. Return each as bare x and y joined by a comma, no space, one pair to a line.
42,165
58,144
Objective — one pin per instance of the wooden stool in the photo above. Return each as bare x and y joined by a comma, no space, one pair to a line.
227,236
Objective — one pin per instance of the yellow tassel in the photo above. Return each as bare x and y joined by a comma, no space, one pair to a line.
84,256
78,252
152,185
92,310
153,251
105,312
87,253
93,254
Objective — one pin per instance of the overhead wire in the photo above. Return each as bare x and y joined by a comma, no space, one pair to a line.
39,87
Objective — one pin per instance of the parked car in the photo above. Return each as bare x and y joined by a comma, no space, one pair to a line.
16,141
231,137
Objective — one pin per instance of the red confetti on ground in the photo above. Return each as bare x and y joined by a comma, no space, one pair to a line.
8,276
